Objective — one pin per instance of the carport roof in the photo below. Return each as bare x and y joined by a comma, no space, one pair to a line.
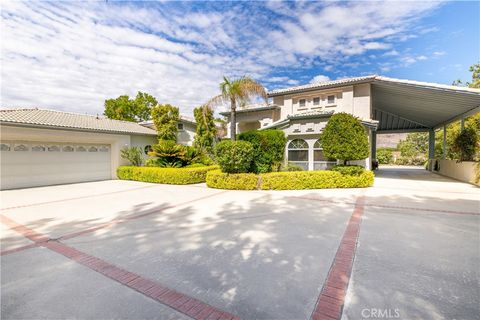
405,105
35,117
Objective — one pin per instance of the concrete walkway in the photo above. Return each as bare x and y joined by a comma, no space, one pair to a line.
129,250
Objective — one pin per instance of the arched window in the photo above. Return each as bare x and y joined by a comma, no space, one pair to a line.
298,153
320,162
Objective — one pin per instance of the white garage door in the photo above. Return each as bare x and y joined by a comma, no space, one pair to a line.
32,164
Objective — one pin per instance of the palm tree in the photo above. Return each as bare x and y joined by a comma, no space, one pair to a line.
237,92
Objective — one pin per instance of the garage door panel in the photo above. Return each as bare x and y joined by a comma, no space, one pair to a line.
43,164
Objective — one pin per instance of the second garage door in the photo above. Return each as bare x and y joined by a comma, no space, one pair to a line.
31,164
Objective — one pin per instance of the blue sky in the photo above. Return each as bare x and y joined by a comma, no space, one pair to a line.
74,55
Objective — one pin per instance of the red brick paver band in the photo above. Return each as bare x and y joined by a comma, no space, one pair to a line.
330,303
189,306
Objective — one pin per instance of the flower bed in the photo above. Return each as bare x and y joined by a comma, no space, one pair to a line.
295,180
165,175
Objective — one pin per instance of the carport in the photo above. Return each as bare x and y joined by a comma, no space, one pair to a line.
411,106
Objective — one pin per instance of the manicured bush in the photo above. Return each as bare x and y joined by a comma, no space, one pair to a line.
133,154
268,149
295,180
465,144
234,156
385,156
349,170
345,138
164,175
314,180
291,167
232,181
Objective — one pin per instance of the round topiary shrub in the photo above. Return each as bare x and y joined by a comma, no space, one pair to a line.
268,149
234,156
345,138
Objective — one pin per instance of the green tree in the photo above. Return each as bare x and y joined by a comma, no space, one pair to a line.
237,92
206,130
475,83
345,138
133,154
415,145
165,117
465,144
135,110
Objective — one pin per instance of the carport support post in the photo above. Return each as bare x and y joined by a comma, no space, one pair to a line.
444,146
431,147
374,145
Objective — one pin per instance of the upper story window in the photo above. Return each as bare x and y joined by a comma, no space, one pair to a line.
316,101
301,103
331,99
180,126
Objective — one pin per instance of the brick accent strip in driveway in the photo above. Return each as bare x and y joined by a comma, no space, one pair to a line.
189,306
332,297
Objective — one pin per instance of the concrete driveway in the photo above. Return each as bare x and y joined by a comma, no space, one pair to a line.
407,248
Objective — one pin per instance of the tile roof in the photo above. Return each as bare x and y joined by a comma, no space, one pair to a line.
370,78
311,86
61,119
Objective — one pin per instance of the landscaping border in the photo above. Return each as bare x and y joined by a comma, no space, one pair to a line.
164,175
295,180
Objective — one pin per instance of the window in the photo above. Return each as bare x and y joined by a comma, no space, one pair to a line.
316,101
301,103
38,148
81,149
320,162
92,149
20,147
331,99
103,149
53,148
180,126
147,149
5,147
68,149
298,150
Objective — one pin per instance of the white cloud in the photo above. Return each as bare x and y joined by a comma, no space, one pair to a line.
74,55
320,78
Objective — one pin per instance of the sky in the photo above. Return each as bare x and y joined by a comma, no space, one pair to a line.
72,56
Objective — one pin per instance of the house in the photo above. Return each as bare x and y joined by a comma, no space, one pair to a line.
46,147
186,129
383,105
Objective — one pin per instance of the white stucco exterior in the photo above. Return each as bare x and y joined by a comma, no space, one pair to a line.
36,166
303,115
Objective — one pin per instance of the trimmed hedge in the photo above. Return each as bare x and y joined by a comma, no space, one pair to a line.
164,175
232,181
349,170
234,156
294,180
268,149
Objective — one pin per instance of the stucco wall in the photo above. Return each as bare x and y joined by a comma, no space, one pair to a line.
116,141
186,135
142,142
462,171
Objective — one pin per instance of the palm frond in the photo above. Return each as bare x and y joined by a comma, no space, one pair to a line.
216,101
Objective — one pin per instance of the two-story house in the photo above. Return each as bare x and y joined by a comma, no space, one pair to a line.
303,111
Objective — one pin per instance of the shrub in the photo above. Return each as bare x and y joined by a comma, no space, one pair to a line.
384,156
345,138
234,156
164,175
206,130
314,180
465,144
291,167
349,170
232,181
133,155
268,149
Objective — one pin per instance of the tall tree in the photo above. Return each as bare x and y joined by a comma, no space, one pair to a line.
475,83
237,92
206,129
135,110
165,117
